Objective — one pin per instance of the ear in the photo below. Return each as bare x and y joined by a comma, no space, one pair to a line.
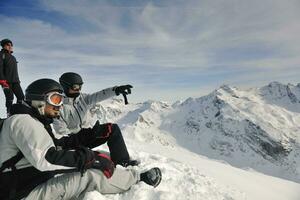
39,105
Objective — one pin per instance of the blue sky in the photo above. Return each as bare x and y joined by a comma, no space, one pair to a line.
168,50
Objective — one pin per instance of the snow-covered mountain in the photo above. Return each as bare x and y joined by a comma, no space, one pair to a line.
256,129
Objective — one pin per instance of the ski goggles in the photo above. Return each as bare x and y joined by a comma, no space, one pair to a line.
76,87
55,99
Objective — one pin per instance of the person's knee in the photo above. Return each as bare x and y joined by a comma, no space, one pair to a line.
115,129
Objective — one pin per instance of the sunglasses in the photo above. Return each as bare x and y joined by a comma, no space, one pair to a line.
76,87
55,99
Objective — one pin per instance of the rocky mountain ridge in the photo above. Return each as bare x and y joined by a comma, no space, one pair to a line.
258,128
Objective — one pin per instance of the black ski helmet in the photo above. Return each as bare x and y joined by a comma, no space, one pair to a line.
68,79
39,88
5,42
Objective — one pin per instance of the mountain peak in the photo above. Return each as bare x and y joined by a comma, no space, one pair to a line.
275,84
278,92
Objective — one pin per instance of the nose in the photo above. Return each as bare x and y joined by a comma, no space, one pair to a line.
56,108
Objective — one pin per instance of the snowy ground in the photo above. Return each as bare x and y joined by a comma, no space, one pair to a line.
187,175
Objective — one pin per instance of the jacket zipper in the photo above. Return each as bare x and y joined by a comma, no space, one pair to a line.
80,125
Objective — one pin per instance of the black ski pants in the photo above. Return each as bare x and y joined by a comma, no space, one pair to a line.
115,142
14,89
112,135
92,137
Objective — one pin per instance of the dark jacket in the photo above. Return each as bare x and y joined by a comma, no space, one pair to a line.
8,67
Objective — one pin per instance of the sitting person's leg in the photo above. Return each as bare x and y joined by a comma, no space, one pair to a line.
73,185
112,134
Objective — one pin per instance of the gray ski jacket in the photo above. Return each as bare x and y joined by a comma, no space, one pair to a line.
24,133
75,111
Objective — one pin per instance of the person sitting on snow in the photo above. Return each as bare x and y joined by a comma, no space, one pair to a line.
30,155
73,116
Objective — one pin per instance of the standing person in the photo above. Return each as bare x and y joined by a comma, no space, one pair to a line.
74,113
9,77
30,155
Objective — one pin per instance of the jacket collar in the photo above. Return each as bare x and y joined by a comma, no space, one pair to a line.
70,100
24,108
4,51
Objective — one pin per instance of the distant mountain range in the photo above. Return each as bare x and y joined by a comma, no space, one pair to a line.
257,128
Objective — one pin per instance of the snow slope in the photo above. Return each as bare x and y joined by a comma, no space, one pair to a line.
230,144
187,175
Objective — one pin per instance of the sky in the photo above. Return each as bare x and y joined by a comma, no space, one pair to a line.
167,49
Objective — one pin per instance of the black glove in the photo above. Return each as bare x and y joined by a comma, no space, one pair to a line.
123,89
85,159
104,163
102,130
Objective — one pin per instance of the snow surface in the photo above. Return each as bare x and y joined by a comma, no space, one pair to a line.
229,145
187,175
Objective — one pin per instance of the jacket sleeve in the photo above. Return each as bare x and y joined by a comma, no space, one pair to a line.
60,127
2,77
38,148
92,99
85,137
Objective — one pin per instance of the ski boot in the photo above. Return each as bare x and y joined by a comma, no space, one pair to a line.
151,177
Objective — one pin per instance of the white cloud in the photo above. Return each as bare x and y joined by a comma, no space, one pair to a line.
244,38
190,34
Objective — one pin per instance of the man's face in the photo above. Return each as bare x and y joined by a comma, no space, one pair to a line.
8,47
52,111
54,102
76,88
74,91
71,91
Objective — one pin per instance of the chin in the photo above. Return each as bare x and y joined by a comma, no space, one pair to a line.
53,115
56,116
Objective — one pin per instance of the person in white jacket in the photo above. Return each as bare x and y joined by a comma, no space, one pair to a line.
73,116
31,156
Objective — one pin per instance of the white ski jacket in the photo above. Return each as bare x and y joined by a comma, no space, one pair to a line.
75,111
24,133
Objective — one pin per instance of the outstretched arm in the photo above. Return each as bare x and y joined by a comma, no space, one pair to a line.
92,99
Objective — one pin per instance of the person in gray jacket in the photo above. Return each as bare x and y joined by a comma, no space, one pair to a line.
73,116
30,155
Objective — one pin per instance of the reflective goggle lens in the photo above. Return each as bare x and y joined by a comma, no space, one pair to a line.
55,99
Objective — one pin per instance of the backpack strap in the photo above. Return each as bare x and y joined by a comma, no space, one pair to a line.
1,123
10,163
